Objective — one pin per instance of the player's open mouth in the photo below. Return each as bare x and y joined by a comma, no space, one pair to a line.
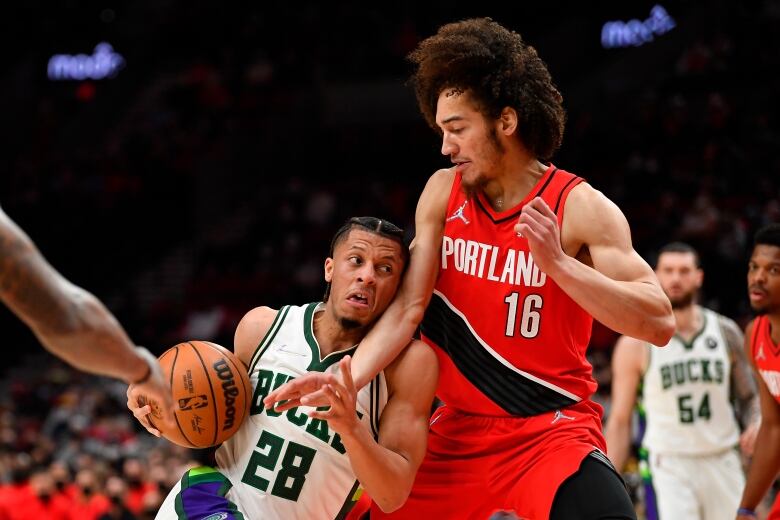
359,299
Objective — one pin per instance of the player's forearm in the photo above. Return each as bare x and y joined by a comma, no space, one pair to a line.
637,309
618,437
385,475
384,342
92,340
764,466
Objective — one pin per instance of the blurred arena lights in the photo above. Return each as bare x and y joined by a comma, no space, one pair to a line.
103,63
633,33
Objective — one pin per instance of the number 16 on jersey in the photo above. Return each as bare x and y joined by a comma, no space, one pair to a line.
530,318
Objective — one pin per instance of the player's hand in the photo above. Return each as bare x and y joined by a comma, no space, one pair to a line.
304,390
539,225
153,396
747,441
341,394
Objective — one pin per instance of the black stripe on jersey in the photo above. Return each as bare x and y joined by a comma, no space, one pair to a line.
516,213
372,406
349,503
513,392
560,195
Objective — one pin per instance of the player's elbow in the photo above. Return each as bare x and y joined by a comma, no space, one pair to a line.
390,503
663,331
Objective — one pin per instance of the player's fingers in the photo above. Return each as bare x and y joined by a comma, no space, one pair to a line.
283,406
542,207
142,411
314,399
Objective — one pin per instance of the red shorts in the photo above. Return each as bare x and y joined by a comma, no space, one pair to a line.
477,465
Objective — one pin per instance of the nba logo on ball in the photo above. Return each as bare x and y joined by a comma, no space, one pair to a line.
212,390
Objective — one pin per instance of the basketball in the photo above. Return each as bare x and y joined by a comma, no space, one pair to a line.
211,393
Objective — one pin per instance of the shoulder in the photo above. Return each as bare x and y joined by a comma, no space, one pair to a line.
416,364
251,330
438,187
727,325
591,218
432,206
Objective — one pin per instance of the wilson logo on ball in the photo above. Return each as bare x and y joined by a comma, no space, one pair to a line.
194,402
229,390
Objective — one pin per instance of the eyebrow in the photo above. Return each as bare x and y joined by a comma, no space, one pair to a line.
452,118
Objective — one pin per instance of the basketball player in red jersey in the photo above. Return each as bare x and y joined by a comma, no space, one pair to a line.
762,343
516,258
70,322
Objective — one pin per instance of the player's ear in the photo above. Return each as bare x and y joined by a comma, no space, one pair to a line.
508,121
699,277
328,269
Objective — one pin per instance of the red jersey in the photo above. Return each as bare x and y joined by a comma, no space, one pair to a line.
766,355
508,339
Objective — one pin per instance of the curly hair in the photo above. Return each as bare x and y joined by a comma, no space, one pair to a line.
499,70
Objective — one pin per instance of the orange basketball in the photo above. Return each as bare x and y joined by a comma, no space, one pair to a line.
211,393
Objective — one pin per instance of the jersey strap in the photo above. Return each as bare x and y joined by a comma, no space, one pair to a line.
517,392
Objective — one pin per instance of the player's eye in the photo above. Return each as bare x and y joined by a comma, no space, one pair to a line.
356,260
386,268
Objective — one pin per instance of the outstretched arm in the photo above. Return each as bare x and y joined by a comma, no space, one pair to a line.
628,361
69,321
395,328
387,468
620,290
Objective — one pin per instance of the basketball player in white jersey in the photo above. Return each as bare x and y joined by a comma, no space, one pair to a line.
692,392
313,464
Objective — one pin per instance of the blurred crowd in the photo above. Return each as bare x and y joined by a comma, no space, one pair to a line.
187,198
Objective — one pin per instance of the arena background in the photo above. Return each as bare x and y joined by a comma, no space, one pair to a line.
206,176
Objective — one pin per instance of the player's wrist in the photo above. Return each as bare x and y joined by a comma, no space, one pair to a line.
746,511
149,364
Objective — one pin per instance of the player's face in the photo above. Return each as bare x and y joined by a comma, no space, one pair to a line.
364,274
764,279
468,138
679,277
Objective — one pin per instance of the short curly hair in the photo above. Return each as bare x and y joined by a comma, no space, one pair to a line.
499,70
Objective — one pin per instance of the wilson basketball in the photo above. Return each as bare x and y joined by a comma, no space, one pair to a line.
211,393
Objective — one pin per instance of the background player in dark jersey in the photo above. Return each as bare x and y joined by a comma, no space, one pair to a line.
762,344
70,322
517,285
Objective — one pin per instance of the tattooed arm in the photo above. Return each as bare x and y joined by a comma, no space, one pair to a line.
744,393
69,321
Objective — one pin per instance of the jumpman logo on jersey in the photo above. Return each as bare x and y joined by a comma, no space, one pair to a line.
459,214
760,354
560,415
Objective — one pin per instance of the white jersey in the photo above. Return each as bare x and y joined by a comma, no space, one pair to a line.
289,465
686,394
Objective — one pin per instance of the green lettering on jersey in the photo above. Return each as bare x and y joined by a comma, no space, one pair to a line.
719,372
666,377
279,380
264,378
319,428
706,376
297,419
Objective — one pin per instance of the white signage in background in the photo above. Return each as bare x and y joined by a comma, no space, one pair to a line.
103,63
634,33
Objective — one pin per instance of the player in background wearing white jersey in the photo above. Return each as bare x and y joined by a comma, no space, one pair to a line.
287,465
691,391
